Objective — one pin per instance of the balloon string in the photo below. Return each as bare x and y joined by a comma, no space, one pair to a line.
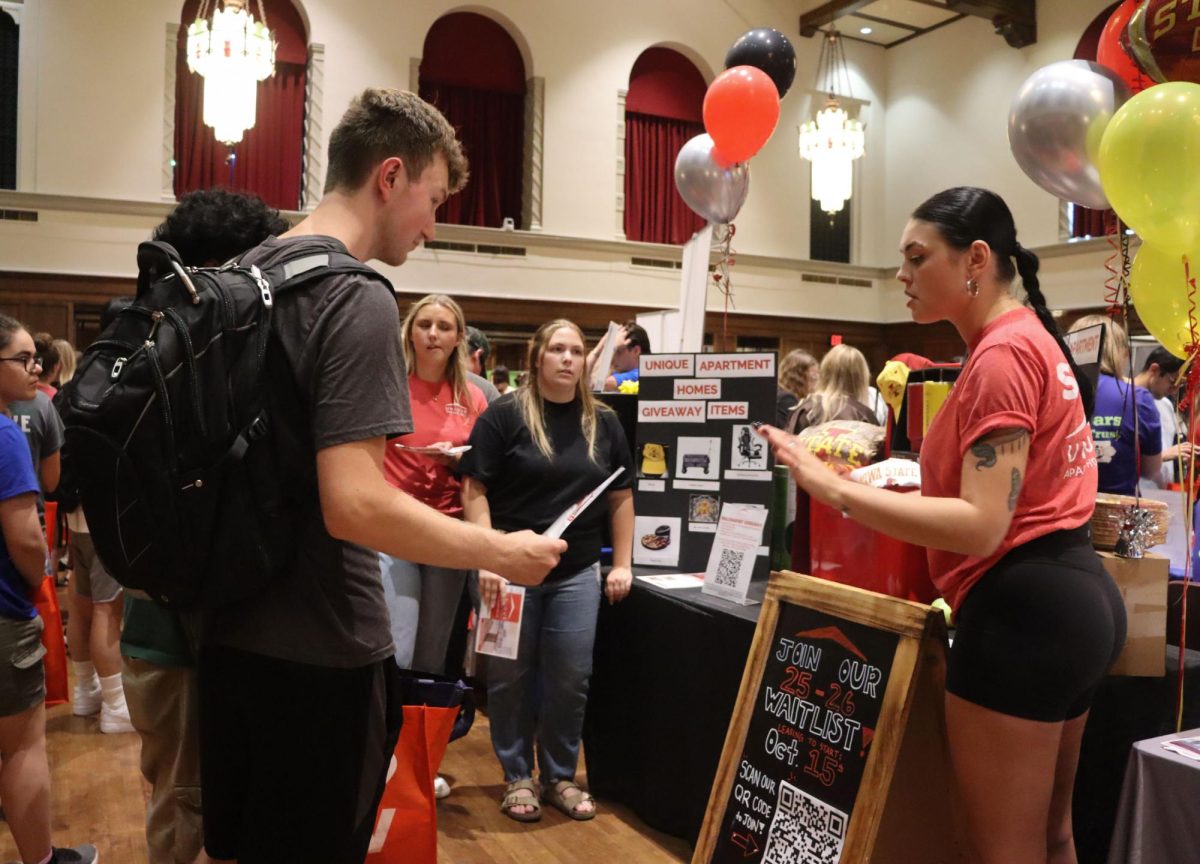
1116,285
1188,403
724,234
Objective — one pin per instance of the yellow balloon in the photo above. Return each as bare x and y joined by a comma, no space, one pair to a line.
1159,291
1149,164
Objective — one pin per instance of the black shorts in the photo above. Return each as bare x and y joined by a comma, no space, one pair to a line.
1035,636
293,757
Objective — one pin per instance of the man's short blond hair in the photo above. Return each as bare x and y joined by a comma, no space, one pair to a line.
381,123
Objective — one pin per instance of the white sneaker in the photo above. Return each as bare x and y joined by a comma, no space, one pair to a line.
115,721
441,789
86,702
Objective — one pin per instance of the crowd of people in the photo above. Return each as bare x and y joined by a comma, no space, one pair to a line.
435,478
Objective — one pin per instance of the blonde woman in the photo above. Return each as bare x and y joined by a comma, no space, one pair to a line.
1121,455
797,378
841,392
534,453
422,599
67,357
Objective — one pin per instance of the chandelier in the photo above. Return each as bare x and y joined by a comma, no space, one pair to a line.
232,54
832,141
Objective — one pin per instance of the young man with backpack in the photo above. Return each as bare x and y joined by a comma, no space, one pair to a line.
299,713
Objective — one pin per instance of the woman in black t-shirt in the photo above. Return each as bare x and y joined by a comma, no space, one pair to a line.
535,453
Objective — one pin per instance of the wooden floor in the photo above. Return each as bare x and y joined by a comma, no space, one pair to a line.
99,797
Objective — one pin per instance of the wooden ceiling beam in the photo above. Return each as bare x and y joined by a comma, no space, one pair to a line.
812,22
1015,20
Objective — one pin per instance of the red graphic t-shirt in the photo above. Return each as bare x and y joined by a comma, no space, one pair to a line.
1015,378
436,417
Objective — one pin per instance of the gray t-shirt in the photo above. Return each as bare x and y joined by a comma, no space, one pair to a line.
43,428
341,335
490,393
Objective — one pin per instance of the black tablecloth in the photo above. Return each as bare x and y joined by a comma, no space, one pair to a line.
668,665
667,669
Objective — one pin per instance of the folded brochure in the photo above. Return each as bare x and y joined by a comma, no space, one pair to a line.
572,513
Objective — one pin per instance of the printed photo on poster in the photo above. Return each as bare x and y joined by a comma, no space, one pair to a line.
749,450
698,459
654,460
656,540
704,508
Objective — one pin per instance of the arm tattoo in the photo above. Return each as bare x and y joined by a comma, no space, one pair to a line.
986,454
987,449
1016,490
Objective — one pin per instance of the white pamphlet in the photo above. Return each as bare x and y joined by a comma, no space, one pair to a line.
734,551
498,630
433,451
672,581
572,513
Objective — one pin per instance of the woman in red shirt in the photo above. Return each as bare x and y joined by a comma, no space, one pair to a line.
422,599
1008,486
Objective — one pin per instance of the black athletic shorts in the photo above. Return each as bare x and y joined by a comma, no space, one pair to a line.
1035,636
293,757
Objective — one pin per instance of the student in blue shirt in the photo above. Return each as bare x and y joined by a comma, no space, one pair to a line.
25,778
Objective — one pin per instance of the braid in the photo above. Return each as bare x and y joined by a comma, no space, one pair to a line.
1027,267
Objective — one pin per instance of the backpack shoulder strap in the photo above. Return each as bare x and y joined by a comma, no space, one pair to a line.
309,264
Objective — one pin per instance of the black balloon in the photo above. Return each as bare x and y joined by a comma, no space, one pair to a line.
768,50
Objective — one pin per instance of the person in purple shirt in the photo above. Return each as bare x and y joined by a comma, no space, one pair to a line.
1119,452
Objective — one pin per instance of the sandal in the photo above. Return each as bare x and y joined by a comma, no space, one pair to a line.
514,797
567,797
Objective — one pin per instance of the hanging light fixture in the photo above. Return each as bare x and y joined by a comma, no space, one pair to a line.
232,54
832,141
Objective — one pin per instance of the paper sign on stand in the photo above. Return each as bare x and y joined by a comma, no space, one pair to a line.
498,631
734,551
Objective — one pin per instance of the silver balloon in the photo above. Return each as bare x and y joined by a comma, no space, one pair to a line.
714,192
1055,125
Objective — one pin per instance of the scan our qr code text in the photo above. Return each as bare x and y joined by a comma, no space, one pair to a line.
805,830
728,567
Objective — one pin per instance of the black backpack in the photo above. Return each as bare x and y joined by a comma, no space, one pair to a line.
187,438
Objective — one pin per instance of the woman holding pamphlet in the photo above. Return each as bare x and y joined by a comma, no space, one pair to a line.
534,455
422,599
1008,486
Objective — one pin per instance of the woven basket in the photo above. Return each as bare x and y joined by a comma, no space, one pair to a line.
1110,513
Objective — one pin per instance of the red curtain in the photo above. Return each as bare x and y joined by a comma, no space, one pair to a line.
654,212
269,156
491,126
1090,223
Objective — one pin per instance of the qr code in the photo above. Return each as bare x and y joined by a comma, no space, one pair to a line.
805,830
728,567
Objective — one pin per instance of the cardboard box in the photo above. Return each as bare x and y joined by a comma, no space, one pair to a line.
1143,584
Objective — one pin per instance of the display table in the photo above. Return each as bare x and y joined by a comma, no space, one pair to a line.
1156,820
667,669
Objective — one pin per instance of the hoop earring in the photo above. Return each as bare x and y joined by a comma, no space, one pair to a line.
973,287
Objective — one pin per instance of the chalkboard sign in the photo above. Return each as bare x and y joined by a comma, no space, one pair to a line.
837,684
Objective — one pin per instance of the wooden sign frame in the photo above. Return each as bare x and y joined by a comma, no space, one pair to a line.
903,809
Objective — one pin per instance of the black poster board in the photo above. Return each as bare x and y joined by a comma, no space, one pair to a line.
836,751
696,451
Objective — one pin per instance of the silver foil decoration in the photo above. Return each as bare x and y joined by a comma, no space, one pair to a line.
1136,532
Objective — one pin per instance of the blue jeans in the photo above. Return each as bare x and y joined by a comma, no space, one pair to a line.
543,693
422,601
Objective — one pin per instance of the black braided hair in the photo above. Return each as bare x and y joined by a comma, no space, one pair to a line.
965,214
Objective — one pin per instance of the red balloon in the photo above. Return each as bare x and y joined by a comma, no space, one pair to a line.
1165,41
1111,52
741,109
